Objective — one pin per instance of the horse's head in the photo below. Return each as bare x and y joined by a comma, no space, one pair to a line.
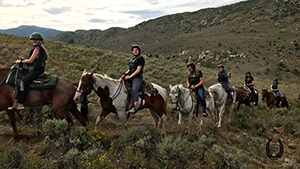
174,94
85,86
264,94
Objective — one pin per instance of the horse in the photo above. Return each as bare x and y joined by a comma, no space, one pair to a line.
60,97
222,99
271,99
244,97
113,98
183,100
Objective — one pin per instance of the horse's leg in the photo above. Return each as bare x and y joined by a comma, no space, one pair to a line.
238,107
12,120
78,115
180,118
190,118
231,106
154,115
122,117
222,109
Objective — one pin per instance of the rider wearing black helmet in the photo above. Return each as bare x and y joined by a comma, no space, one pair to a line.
195,82
135,74
249,81
35,63
275,88
222,77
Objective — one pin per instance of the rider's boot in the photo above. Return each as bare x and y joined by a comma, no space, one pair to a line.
204,113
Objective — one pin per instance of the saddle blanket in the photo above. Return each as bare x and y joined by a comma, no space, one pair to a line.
44,81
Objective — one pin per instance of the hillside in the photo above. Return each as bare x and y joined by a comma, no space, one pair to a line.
25,30
240,143
266,32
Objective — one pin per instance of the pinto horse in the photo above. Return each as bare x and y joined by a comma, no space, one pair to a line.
183,100
60,97
222,99
271,100
113,98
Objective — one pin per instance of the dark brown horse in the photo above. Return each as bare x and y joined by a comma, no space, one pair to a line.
60,97
271,100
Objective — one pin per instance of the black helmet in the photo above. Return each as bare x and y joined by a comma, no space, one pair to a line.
248,72
191,63
136,46
37,36
276,80
220,65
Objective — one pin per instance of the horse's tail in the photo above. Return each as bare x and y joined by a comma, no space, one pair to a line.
287,104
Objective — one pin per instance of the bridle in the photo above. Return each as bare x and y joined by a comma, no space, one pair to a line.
177,104
116,94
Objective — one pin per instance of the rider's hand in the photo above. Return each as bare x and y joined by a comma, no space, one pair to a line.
193,87
17,61
127,77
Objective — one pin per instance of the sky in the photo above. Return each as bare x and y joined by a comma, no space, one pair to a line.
71,15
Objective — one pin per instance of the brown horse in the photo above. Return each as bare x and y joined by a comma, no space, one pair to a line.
60,97
271,100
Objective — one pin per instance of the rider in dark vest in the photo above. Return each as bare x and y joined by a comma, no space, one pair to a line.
35,63
249,81
275,88
222,77
135,74
195,82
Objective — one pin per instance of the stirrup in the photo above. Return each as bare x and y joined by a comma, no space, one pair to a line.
204,114
132,110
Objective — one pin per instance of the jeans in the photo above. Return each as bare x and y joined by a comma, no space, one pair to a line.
136,83
200,92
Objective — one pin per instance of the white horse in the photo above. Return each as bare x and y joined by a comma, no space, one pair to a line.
221,99
113,98
183,100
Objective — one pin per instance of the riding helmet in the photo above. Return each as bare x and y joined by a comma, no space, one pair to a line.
220,66
248,72
276,80
36,36
191,63
136,46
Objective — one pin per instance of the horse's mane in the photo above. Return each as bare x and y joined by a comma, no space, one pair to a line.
2,68
106,77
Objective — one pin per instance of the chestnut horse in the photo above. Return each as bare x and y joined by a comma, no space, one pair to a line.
113,98
271,100
60,97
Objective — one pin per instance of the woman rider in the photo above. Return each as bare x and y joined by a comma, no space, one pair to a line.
35,64
222,77
249,81
135,74
195,82
275,88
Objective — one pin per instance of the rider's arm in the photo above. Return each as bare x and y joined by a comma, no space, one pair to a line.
229,74
32,57
188,83
201,82
245,84
217,76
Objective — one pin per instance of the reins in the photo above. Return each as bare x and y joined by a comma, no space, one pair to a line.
16,77
177,104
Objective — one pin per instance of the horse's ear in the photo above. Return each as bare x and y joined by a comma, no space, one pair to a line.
84,71
170,86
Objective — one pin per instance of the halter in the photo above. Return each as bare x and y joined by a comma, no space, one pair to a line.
116,94
177,104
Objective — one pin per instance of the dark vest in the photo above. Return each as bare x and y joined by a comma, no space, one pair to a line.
40,60
133,66
248,81
223,77
193,79
274,86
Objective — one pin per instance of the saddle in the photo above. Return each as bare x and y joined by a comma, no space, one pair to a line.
43,81
196,96
145,88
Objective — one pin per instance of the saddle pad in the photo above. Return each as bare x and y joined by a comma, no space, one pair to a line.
47,81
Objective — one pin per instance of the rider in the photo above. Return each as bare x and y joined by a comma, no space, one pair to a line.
195,82
249,81
135,74
275,88
35,63
222,77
